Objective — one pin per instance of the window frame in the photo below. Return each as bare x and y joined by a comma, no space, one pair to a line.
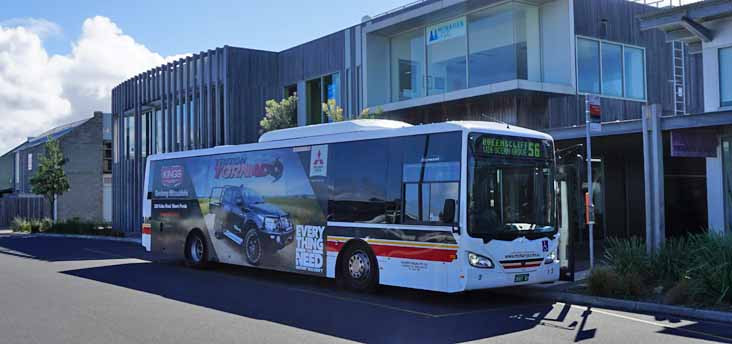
600,43
722,104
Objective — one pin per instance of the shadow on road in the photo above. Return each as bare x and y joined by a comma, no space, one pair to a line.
392,315
52,249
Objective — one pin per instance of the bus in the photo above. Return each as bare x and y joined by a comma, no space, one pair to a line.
446,207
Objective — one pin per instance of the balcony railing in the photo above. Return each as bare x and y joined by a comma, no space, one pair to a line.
665,3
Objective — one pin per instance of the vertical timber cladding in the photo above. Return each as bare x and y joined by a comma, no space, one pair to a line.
201,124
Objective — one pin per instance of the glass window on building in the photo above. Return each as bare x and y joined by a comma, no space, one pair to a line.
143,134
331,88
130,136
498,43
159,131
192,127
178,126
612,69
725,76
635,73
727,166
115,138
446,56
407,60
313,91
588,66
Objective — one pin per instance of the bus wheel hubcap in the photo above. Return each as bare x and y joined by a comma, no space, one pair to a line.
359,265
197,250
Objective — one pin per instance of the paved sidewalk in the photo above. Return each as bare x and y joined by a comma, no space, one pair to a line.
560,291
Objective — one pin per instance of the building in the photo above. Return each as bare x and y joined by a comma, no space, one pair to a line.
87,147
705,28
528,63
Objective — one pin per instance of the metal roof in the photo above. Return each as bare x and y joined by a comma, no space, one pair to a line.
54,133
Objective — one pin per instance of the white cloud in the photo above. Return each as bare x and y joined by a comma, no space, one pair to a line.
42,27
38,91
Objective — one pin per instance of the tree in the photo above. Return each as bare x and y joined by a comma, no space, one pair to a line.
279,115
333,111
366,113
50,180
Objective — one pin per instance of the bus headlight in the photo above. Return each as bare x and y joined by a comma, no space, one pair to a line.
479,261
551,258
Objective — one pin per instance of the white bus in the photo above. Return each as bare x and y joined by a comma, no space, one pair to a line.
446,207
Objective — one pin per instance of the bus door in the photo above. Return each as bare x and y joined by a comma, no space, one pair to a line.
570,212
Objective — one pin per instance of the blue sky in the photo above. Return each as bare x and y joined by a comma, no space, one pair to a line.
185,26
59,60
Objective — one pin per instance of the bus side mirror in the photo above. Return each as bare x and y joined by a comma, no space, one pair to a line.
448,211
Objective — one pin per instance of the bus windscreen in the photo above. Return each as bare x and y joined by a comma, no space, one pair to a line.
510,187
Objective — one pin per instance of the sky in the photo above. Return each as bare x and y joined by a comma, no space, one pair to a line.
59,60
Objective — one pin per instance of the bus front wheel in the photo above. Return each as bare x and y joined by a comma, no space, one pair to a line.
359,269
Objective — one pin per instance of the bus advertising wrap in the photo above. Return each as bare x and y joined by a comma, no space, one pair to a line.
255,208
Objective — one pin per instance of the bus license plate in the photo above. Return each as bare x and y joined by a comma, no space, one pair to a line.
521,278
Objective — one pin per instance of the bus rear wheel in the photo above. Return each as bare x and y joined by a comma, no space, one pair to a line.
359,269
196,251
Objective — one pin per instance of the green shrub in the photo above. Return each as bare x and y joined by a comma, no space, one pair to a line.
679,294
604,281
634,285
83,227
627,256
694,269
710,277
20,224
671,263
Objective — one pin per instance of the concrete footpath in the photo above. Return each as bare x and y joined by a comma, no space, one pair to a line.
558,292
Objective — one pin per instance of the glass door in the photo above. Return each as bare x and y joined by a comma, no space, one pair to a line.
570,217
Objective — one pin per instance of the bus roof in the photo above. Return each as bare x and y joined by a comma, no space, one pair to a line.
355,130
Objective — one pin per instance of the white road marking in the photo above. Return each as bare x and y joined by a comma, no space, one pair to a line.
652,323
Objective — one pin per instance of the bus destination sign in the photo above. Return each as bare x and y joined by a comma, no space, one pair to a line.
506,146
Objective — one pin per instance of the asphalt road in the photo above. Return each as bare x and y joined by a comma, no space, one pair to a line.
55,290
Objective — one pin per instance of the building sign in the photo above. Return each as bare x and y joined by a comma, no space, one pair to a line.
694,143
446,30
595,110
515,147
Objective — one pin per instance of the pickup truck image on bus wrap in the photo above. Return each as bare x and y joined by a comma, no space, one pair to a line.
246,219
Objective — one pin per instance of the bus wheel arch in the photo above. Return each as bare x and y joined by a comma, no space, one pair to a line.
357,267
196,250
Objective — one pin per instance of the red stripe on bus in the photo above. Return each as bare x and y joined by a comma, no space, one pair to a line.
519,266
417,253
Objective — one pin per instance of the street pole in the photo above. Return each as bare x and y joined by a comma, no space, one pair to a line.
591,211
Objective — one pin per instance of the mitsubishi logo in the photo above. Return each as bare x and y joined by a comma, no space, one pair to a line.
318,160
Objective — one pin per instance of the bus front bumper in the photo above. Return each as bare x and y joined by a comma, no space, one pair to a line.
498,278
